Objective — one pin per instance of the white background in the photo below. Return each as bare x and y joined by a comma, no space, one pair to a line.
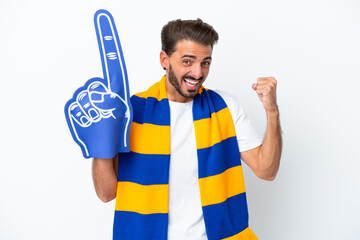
48,49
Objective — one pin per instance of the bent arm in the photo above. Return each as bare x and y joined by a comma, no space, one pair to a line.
104,172
264,160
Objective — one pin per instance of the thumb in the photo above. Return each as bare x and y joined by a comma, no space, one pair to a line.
110,104
105,101
254,86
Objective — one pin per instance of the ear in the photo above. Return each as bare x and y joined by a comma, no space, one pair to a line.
164,60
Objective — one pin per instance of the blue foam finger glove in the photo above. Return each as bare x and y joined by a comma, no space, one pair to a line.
100,113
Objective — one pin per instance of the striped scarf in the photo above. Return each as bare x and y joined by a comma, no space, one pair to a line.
141,209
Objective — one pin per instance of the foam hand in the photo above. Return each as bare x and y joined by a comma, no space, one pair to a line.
100,113
265,88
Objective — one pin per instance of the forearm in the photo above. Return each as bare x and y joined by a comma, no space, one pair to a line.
270,151
104,173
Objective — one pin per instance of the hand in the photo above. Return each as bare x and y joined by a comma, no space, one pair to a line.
100,112
266,91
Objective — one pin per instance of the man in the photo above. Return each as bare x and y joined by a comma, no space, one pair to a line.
183,178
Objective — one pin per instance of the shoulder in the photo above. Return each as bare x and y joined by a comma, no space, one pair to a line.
232,102
228,97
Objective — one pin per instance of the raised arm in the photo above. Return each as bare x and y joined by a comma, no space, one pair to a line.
265,159
104,172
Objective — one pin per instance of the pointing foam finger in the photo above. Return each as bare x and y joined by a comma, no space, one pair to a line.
110,51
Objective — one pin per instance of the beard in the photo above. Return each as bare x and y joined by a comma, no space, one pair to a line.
189,93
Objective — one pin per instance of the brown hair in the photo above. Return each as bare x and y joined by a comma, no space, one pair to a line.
195,30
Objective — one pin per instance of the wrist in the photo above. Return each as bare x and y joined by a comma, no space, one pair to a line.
272,113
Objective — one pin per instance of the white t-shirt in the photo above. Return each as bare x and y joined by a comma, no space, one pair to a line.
185,212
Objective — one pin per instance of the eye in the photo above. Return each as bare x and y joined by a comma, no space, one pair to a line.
186,62
206,64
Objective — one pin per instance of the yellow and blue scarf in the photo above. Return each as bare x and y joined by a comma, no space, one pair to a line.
141,209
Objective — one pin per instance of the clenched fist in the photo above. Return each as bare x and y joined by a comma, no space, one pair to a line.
265,88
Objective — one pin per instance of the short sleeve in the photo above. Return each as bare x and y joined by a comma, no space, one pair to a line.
247,137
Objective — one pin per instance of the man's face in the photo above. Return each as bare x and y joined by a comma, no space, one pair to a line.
188,68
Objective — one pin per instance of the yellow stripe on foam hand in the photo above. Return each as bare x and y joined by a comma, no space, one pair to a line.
144,199
209,133
216,189
148,138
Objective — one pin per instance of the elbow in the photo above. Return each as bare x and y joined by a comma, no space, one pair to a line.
106,197
268,176
267,172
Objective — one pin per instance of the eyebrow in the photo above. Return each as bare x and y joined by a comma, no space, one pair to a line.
193,57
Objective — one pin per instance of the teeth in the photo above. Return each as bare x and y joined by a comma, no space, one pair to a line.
191,82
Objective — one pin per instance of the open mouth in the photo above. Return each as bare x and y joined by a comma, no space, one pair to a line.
192,84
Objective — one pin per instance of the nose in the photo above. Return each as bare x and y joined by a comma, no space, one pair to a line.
196,71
